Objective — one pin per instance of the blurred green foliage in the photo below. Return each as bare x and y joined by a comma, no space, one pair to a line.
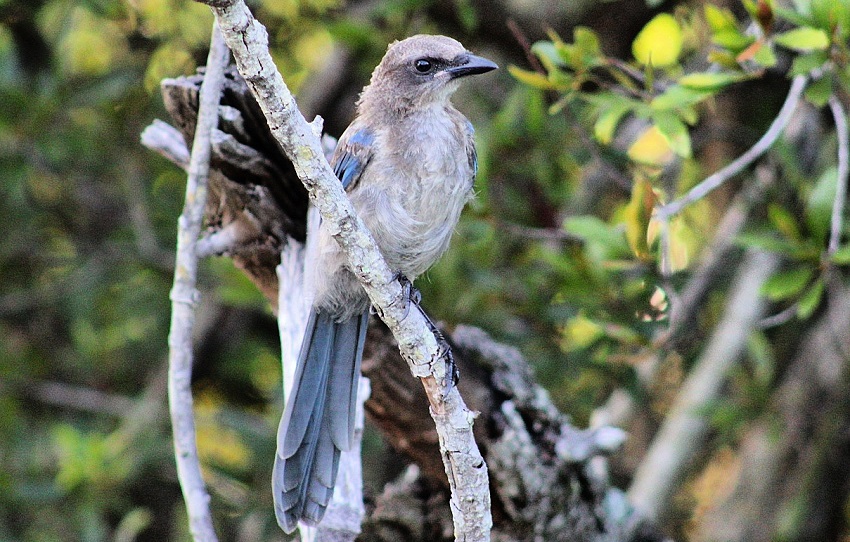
558,254
664,90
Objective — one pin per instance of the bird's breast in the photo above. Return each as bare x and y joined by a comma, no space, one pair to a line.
414,194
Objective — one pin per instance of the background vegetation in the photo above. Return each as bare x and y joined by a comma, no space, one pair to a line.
617,109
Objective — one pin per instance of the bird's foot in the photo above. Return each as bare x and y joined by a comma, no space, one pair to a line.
413,297
410,295
444,350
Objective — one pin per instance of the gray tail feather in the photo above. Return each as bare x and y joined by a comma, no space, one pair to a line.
318,421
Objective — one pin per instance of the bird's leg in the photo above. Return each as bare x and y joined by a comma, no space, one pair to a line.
412,296
409,295
444,351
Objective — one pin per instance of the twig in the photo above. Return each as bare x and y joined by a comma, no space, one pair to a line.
465,467
539,234
665,264
798,85
716,257
840,117
779,318
166,140
142,226
69,396
523,42
184,296
684,429
630,70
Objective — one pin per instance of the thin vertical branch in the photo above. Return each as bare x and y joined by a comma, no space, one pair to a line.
184,297
840,117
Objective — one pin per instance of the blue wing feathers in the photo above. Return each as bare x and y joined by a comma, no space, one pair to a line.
352,155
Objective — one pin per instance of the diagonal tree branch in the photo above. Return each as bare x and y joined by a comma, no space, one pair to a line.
464,465
798,85
184,297
685,429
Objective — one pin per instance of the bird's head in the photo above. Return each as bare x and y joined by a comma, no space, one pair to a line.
422,70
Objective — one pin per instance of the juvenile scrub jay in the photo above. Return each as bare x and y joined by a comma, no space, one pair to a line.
408,164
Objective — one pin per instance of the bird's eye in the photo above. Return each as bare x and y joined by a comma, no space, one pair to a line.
423,65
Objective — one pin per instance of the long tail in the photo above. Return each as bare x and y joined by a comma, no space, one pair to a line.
318,421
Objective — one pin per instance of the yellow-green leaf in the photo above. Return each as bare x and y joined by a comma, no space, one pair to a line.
718,18
709,81
765,56
608,120
841,256
732,39
677,96
651,148
659,43
637,215
783,221
530,78
580,332
675,132
810,300
804,38
819,91
787,284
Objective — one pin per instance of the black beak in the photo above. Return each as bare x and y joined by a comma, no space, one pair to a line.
472,65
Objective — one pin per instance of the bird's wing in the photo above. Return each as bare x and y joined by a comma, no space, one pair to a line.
471,153
352,154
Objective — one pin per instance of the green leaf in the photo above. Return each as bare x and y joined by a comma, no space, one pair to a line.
604,241
732,39
819,91
677,96
606,125
804,38
810,300
841,256
783,221
719,18
530,78
765,56
761,353
819,205
587,47
675,132
805,63
710,81
843,76
829,14
800,16
767,241
547,52
787,283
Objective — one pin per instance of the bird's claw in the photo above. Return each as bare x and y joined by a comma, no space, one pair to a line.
410,295
444,350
